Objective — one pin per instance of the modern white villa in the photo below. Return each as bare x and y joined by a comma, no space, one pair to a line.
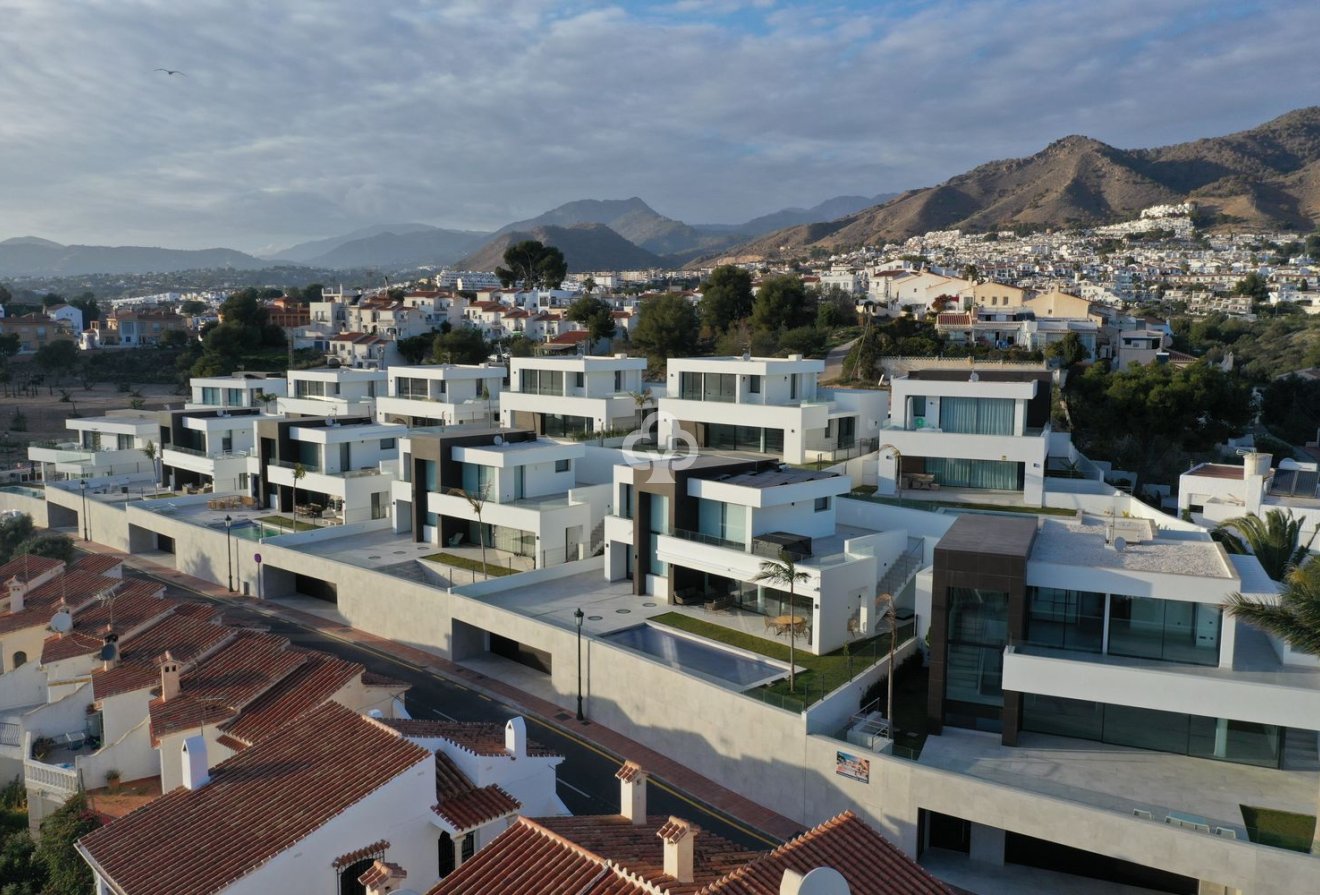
98,446
442,395
207,448
1211,493
332,391
563,397
768,406
242,389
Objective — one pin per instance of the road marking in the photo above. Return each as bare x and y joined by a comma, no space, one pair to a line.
580,792
436,711
708,810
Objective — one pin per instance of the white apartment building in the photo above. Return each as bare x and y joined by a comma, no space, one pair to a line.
766,405
346,464
207,448
533,505
573,396
983,430
1212,493
98,446
236,390
442,395
332,391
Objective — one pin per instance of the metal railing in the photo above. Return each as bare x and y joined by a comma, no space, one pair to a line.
198,452
712,540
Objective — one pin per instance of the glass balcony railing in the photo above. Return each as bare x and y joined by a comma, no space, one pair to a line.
712,540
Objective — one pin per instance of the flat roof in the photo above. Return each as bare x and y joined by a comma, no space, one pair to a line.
979,533
1216,471
772,478
1083,544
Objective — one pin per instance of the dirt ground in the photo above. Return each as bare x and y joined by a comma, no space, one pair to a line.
46,413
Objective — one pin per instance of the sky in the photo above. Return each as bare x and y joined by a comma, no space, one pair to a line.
297,120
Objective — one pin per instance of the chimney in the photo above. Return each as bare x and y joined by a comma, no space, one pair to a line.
515,737
109,648
821,881
382,878
17,591
196,774
678,836
169,677
632,792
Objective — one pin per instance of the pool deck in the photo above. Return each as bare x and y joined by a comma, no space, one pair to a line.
609,605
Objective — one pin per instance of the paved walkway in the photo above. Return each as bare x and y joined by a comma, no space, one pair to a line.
659,766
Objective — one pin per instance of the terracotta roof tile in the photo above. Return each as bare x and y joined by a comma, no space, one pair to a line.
26,567
526,859
309,685
477,807
131,609
630,771
1217,471
376,848
98,563
201,841
380,872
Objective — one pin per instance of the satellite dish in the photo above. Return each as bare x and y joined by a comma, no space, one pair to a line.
61,622
109,652
1120,544
498,440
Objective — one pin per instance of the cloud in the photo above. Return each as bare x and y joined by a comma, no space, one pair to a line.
301,119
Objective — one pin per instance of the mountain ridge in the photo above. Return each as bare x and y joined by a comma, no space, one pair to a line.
586,247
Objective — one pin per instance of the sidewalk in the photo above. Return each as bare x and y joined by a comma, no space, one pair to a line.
660,767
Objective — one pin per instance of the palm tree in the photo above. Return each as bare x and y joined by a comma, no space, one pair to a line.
150,450
299,473
641,399
779,575
485,396
477,501
1275,540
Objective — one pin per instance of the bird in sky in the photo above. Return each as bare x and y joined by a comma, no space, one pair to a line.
171,71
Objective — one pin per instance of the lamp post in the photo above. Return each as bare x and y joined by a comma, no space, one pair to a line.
892,618
82,486
577,617
229,552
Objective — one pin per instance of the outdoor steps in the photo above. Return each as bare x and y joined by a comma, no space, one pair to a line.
903,568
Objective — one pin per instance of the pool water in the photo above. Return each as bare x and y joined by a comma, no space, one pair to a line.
679,650
254,531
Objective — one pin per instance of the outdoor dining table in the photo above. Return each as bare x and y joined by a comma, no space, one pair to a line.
783,622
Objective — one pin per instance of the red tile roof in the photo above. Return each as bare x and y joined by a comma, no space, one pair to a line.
190,632
98,563
1216,471
572,337
132,607
610,856
479,738
27,567
381,871
314,682
464,806
630,771
77,589
257,804
376,848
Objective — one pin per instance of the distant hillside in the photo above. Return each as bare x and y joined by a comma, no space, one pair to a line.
632,219
395,251
828,210
30,256
1268,176
585,247
306,251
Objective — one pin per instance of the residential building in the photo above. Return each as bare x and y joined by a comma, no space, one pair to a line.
565,397
700,530
332,391
66,314
333,469
144,326
1212,493
983,430
1141,346
241,389
289,313
442,395
633,853
766,405
992,295
98,446
207,448
532,503
35,331
359,350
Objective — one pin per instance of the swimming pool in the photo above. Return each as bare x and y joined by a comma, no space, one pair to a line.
677,649
252,531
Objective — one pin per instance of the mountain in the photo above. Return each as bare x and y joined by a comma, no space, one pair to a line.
1268,176
828,210
30,256
585,246
392,246
632,219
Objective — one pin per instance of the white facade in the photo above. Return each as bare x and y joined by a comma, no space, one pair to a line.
559,396
330,391
98,446
236,390
215,445
347,466
442,395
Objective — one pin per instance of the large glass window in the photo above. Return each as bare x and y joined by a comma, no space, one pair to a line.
1242,742
659,525
977,416
562,425
721,387
1066,619
210,395
956,472
1169,630
724,437
478,479
410,387
728,522
977,634
543,382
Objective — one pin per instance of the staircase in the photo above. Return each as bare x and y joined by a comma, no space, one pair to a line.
597,539
907,565
1300,751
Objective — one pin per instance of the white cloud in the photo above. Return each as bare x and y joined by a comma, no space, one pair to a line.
304,119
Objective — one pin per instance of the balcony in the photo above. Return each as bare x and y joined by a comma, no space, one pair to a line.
211,455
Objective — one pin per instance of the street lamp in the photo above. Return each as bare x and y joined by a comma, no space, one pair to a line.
229,552
82,485
577,617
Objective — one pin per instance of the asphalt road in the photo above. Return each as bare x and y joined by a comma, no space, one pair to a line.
586,777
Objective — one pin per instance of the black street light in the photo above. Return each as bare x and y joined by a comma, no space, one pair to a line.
82,484
229,552
577,617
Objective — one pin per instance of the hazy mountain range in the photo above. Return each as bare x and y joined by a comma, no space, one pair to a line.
1268,176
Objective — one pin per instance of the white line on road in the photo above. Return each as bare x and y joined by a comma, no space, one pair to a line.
565,783
440,714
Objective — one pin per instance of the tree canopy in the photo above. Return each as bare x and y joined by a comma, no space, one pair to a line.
464,345
666,327
531,264
595,314
1275,540
782,303
726,297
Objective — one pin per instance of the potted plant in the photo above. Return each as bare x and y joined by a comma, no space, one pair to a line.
42,747
112,778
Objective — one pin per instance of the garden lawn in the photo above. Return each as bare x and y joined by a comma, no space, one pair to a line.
286,523
492,569
1282,829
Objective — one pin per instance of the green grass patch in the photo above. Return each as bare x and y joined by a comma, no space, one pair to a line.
493,570
1281,829
820,676
286,523
160,496
857,494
